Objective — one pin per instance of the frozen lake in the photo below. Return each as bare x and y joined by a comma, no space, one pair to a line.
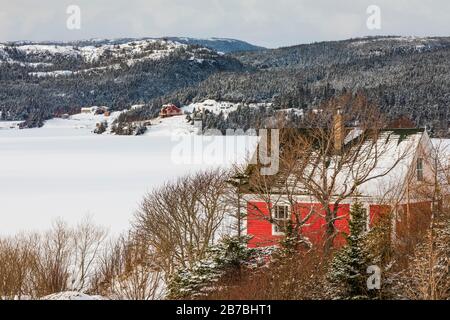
65,171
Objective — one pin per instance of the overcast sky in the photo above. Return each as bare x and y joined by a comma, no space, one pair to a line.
270,23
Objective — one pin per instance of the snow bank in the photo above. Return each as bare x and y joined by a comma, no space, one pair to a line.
72,295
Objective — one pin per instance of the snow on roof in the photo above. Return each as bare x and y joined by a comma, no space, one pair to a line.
384,165
397,151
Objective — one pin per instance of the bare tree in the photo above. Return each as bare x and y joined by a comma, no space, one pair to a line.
63,258
16,255
87,243
128,271
51,264
426,273
180,220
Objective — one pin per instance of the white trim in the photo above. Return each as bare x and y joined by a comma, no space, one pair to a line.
283,199
274,226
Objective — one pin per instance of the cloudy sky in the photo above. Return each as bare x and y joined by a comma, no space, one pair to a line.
270,23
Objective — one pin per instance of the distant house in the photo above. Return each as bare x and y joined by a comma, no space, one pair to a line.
96,110
87,110
170,110
102,110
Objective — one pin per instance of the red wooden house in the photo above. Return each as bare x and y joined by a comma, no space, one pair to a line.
170,110
267,216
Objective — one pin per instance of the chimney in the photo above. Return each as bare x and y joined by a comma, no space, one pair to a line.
338,130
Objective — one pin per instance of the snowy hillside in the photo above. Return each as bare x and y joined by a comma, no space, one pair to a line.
92,58
218,107
115,74
220,44
83,123
102,52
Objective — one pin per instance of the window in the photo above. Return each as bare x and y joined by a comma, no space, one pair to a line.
281,219
419,169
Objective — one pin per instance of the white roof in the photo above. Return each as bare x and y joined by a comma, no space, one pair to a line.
396,160
384,165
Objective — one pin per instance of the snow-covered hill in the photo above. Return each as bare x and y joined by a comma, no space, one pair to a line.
128,51
218,107
220,44
92,58
113,73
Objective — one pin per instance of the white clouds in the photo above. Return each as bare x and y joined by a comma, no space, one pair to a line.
266,22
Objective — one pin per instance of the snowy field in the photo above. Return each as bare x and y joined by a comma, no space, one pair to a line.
64,170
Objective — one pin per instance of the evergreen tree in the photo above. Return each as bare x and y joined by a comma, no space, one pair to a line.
348,274
228,256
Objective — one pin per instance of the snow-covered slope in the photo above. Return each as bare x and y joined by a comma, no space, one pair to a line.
220,44
171,127
82,123
152,49
223,107
46,58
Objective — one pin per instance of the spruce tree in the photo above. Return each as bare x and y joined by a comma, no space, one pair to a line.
348,275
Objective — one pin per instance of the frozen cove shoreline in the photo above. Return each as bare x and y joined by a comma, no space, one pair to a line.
65,171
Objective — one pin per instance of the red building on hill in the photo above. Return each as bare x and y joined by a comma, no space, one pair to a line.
389,192
170,110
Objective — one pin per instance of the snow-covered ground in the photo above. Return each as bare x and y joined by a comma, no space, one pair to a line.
64,170
72,295
220,106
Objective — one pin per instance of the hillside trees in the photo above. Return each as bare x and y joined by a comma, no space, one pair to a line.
401,76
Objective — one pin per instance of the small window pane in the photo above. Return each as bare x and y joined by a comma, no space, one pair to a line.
281,217
419,169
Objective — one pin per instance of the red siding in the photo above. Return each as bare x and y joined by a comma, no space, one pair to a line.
407,226
258,226
261,229
170,110
316,227
414,222
376,212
